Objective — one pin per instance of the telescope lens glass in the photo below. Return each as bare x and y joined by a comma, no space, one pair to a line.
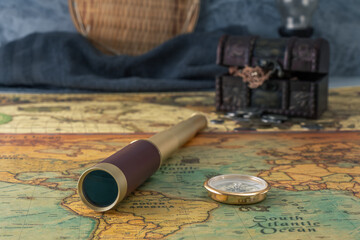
100,188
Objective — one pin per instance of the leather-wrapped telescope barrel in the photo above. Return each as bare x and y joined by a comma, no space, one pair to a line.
104,185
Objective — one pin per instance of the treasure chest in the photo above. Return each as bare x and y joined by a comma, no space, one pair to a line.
286,76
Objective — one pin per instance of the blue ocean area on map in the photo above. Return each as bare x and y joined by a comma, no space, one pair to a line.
36,211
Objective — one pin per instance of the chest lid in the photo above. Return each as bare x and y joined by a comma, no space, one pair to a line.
291,54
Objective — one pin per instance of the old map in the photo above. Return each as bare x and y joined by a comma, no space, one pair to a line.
46,141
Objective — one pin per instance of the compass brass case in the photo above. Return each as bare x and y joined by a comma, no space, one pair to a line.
240,198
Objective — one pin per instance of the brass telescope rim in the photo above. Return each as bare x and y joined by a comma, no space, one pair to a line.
116,174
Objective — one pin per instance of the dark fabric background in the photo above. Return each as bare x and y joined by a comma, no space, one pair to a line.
336,20
68,60
48,60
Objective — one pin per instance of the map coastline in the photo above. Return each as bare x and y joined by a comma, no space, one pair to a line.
135,218
41,185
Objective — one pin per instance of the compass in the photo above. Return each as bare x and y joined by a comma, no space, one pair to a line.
237,188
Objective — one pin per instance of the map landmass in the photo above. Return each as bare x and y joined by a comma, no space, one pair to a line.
319,166
152,112
135,218
314,195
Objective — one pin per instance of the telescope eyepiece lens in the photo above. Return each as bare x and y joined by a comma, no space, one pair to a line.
100,188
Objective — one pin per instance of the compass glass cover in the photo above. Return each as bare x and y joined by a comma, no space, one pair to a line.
237,183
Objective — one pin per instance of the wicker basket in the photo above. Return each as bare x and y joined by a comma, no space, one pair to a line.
132,27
